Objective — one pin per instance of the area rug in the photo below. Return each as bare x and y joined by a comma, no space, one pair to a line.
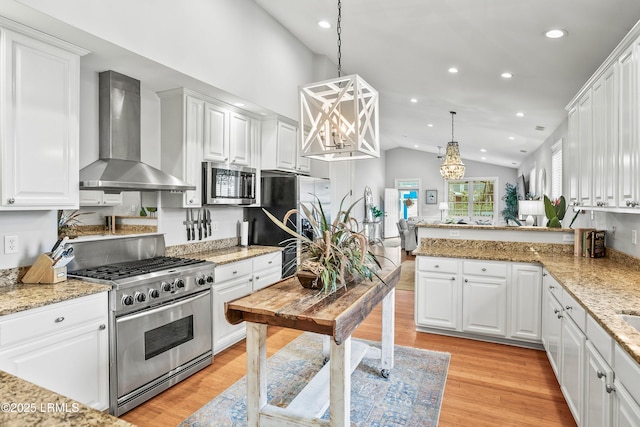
411,396
407,276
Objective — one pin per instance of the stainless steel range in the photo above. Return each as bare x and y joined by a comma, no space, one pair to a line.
161,314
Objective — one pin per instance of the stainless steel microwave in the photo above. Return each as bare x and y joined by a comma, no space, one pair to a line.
228,184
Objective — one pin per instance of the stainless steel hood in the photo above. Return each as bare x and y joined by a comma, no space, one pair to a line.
119,167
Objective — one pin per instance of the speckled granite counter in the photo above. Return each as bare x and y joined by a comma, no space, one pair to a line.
494,227
19,297
25,404
605,287
226,255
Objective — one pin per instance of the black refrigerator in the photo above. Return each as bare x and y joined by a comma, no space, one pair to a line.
279,193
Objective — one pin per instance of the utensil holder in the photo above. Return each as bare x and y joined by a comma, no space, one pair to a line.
42,271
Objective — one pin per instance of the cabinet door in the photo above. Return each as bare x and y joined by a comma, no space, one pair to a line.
193,143
304,164
39,124
239,139
526,301
216,133
484,305
627,129
99,198
585,149
572,370
626,412
286,145
571,158
224,333
437,300
605,142
598,399
552,330
265,278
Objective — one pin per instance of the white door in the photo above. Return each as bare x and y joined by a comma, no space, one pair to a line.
390,212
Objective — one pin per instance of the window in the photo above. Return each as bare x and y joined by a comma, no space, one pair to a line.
473,198
408,195
556,170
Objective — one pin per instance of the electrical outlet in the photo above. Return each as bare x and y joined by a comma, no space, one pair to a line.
454,233
568,238
10,244
634,237
214,226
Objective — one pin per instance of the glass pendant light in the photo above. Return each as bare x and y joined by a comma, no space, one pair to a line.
339,117
452,167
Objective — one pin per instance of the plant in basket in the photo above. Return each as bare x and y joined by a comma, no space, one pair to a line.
336,254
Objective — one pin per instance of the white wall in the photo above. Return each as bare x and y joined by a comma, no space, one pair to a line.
404,163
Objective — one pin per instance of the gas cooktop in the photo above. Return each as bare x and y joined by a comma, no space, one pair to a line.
123,270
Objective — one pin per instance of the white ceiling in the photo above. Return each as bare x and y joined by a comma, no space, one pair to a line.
405,47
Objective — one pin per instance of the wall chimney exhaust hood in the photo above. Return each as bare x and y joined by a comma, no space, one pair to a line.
119,167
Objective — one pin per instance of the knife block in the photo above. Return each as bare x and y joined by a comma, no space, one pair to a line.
42,271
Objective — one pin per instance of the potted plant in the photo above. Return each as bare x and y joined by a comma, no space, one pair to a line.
336,255
376,213
511,197
68,223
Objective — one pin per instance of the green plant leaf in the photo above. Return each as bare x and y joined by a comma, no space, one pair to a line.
562,208
554,222
549,209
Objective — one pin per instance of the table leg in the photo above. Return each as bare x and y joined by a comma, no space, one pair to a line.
340,384
388,327
256,371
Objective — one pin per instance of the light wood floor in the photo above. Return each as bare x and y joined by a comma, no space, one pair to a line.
487,384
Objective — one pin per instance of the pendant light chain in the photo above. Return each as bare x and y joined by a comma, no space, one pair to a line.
452,116
339,30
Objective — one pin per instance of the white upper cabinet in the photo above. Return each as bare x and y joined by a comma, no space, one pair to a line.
227,136
39,128
182,135
585,148
627,128
280,147
605,138
571,159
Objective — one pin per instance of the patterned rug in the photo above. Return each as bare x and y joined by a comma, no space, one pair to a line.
411,396
407,276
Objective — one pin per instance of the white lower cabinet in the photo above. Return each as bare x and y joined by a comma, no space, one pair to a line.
479,298
552,327
572,367
598,387
63,347
235,280
626,410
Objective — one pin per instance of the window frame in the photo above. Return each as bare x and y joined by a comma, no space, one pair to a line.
470,203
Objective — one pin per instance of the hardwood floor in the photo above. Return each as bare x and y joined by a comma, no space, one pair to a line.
487,384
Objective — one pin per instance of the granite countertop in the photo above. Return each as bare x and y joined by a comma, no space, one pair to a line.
495,227
605,287
25,404
236,253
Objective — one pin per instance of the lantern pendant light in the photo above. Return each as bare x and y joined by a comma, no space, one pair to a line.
452,167
339,117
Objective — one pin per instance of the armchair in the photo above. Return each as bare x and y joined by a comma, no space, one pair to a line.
408,235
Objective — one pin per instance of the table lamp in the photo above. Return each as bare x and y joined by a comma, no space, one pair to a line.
530,209
443,206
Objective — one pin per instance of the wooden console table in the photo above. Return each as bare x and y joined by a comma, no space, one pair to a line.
336,316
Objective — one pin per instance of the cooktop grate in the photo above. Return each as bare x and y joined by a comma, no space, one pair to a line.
133,268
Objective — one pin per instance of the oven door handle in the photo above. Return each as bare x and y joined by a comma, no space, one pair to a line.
165,306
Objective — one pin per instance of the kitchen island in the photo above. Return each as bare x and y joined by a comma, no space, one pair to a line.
337,315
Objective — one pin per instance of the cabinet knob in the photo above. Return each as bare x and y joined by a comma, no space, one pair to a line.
556,311
453,278
484,269
102,327
235,271
466,280
59,319
551,287
11,200
600,374
559,316
544,274
436,266
609,388
257,277
568,307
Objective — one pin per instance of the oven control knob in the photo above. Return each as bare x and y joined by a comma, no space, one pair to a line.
200,281
166,287
154,293
140,297
179,283
127,300
210,279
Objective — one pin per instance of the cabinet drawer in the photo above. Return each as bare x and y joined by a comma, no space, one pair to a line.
437,265
627,372
231,271
267,261
266,278
552,285
600,339
22,327
478,268
574,310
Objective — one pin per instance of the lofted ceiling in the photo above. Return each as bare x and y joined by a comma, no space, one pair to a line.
404,48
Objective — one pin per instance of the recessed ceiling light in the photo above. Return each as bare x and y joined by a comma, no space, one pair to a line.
430,125
482,150
453,70
483,158
520,114
506,75
239,104
556,33
414,100
512,138
324,24
416,145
